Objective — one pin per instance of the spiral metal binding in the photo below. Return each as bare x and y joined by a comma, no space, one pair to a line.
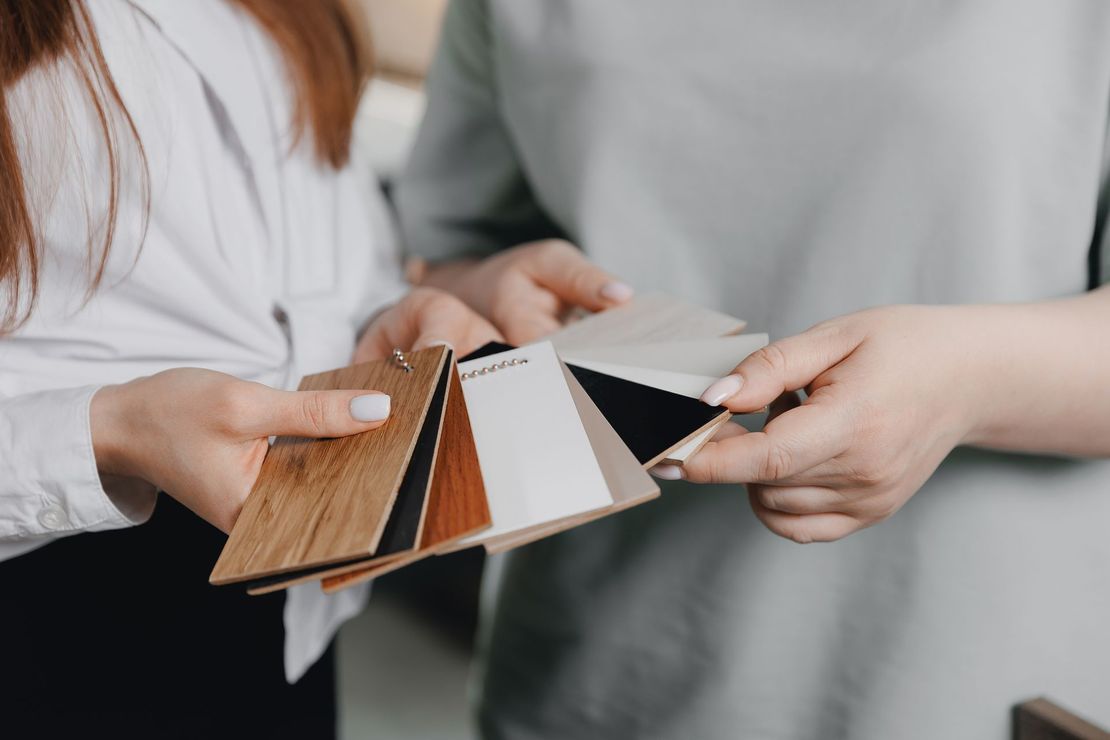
516,361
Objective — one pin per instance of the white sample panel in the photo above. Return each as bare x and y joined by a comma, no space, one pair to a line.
537,462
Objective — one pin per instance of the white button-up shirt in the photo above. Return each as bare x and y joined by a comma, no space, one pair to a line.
257,261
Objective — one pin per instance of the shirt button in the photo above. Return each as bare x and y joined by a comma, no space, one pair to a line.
53,518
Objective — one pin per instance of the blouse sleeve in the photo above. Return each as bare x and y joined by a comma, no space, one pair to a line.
49,484
464,192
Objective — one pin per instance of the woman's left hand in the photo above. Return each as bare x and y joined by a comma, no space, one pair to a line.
425,317
891,391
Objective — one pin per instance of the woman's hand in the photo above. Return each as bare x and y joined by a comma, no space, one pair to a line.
201,436
528,290
422,318
891,392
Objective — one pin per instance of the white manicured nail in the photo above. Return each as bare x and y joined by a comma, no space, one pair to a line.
667,472
372,407
616,292
723,389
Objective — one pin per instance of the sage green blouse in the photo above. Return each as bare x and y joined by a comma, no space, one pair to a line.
788,161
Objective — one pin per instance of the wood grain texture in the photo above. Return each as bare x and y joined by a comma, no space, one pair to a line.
457,502
402,530
1041,719
457,505
651,317
321,501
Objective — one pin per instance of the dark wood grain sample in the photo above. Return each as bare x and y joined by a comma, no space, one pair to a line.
650,421
1041,719
406,518
457,505
328,500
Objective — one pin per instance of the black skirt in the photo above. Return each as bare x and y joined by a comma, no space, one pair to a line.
118,634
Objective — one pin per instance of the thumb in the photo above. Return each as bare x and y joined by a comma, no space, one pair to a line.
786,365
456,326
319,413
565,271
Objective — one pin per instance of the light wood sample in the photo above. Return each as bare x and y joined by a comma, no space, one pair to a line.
652,317
711,356
457,504
321,501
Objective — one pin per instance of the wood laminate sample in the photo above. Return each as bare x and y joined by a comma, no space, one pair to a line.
406,519
712,356
652,317
457,504
322,501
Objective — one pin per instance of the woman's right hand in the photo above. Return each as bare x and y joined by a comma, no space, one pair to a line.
201,436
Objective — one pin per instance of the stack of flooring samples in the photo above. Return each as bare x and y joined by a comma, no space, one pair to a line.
504,447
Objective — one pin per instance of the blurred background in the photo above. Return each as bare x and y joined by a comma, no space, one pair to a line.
404,663
405,33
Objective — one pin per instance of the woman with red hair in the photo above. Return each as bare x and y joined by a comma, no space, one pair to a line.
185,229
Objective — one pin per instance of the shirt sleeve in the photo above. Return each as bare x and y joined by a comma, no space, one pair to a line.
464,191
49,483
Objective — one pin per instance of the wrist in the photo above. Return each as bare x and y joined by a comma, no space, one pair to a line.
989,346
108,423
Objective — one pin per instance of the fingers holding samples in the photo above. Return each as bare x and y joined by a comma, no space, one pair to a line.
803,528
201,436
316,414
422,319
563,269
790,445
786,365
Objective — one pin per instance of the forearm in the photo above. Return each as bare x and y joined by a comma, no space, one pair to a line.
1046,375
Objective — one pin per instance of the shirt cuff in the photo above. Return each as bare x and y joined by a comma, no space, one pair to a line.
49,483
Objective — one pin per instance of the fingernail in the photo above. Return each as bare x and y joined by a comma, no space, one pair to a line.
724,388
372,407
616,291
667,472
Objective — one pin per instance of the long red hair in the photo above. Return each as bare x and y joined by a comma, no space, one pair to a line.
327,56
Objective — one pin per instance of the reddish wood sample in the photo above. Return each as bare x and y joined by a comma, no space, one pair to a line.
457,504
